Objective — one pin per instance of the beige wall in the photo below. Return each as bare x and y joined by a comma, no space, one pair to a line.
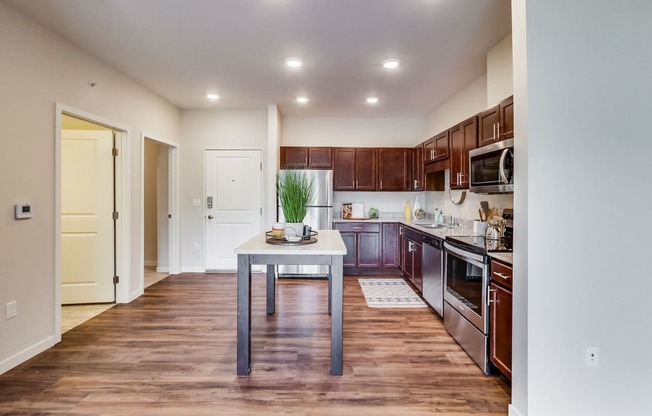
211,129
37,70
500,84
343,132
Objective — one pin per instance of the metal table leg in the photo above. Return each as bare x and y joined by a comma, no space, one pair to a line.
244,315
336,288
271,289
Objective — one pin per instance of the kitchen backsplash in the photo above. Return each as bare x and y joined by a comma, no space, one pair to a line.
392,204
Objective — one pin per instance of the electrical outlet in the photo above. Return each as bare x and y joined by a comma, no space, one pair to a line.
10,309
592,357
195,245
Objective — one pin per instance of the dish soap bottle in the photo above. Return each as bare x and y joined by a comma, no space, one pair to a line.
408,211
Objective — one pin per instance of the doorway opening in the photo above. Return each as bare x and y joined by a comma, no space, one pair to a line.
156,211
91,217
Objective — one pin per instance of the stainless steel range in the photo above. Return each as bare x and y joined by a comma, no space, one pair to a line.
466,302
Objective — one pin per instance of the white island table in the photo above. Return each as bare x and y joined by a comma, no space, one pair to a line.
328,250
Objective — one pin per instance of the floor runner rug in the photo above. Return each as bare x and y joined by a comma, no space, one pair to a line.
389,293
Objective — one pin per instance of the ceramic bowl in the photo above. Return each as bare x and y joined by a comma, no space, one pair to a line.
293,238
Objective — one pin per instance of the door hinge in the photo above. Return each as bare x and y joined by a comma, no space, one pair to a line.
115,151
116,280
116,215
261,210
261,165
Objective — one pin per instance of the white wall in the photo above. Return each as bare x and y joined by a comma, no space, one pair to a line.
588,67
37,70
389,204
211,130
352,132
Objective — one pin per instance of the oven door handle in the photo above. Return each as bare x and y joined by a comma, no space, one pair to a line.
464,254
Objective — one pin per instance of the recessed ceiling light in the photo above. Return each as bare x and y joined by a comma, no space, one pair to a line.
391,63
212,97
293,62
372,100
302,100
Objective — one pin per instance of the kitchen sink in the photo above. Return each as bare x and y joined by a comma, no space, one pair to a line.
434,226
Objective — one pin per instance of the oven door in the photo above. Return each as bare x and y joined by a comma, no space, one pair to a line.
467,279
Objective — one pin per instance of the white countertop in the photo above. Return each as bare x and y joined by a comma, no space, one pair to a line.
504,257
439,232
329,242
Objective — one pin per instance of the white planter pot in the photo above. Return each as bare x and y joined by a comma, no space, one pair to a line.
294,228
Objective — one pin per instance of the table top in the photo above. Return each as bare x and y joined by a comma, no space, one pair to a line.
329,242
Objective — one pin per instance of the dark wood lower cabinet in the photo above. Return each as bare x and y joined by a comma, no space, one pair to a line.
412,252
390,248
371,246
500,319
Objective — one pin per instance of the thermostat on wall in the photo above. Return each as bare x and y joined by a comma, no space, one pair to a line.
23,211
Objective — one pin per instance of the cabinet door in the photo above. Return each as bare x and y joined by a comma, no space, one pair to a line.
390,251
507,118
418,178
344,169
401,253
457,156
470,130
429,150
350,256
500,332
393,169
487,124
407,257
320,157
365,169
294,157
441,146
368,249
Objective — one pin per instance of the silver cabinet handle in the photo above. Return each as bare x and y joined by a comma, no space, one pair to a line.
494,138
381,184
357,228
356,184
492,296
416,184
504,276
498,130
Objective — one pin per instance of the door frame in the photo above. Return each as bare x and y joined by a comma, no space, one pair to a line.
174,249
255,268
122,203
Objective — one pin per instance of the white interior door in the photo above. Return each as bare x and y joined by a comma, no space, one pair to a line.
87,227
233,204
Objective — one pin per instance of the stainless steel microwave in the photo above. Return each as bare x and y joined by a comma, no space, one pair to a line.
491,168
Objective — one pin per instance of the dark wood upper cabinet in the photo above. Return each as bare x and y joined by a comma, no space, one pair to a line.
365,169
394,169
354,169
507,118
309,157
418,177
436,148
463,137
496,123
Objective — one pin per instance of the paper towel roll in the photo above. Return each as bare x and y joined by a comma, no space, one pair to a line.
357,210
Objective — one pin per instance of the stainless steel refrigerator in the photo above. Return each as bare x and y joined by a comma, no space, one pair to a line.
319,217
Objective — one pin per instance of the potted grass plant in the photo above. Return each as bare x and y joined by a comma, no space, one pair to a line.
295,193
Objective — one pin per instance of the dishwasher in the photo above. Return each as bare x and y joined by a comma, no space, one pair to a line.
433,284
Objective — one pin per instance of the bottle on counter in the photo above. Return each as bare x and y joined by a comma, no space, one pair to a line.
408,211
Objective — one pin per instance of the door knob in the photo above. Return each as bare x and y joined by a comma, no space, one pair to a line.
210,217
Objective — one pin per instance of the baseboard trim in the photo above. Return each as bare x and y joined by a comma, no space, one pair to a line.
162,269
151,263
512,411
193,270
28,353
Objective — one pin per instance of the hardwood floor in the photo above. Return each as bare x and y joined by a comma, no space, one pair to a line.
172,352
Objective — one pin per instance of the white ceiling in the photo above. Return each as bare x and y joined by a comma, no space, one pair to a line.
182,49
